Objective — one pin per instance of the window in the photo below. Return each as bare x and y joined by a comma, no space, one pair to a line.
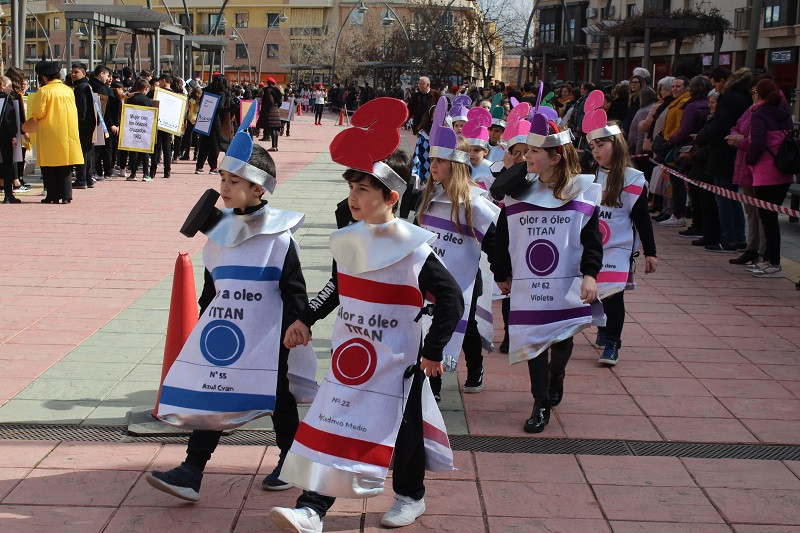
183,21
631,10
57,50
30,50
661,5
126,49
57,23
112,50
272,50
780,13
212,20
273,19
242,19
241,51
549,21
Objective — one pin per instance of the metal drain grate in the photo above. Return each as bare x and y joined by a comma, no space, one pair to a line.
470,443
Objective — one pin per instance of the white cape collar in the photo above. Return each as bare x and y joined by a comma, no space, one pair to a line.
363,247
233,229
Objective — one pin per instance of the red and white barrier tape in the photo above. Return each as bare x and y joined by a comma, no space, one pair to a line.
739,197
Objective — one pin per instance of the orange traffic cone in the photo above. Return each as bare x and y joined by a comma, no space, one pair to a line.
299,110
341,117
182,315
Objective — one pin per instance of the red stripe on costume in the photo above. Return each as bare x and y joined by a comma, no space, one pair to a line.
345,447
633,189
612,277
377,292
431,432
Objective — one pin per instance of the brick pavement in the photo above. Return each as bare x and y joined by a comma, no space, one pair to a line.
711,355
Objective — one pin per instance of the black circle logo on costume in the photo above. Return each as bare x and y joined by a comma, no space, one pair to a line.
605,231
221,342
542,257
354,362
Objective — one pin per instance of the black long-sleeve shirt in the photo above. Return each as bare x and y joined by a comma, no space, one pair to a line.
643,224
591,240
433,279
292,285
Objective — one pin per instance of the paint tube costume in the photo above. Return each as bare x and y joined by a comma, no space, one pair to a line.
545,249
226,374
461,253
476,133
620,238
342,449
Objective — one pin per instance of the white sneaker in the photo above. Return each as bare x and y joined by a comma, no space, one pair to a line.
147,178
672,221
769,271
302,520
404,512
761,264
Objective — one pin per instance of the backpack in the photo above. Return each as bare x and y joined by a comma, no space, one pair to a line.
787,160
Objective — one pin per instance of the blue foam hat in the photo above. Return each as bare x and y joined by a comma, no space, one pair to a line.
237,157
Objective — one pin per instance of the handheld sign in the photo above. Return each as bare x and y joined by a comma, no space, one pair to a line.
101,131
137,132
205,115
18,146
171,111
244,106
285,110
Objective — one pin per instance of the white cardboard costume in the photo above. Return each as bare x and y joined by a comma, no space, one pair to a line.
226,373
342,448
482,174
462,255
620,238
545,248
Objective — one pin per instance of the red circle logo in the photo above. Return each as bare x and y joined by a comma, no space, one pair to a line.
605,231
354,362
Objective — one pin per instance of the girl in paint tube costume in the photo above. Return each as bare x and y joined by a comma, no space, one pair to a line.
497,147
548,236
624,220
234,367
476,133
457,116
463,218
375,406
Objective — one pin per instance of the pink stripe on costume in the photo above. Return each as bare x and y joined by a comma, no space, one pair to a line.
612,277
633,189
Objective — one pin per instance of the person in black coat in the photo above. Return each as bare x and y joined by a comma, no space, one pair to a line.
734,99
137,159
8,140
87,123
209,146
103,162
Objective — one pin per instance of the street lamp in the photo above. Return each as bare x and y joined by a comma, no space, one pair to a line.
281,18
361,9
234,33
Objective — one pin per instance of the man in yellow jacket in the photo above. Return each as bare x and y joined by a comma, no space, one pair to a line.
55,121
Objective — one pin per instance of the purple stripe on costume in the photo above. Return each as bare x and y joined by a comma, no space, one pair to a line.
483,313
447,225
573,205
535,318
461,327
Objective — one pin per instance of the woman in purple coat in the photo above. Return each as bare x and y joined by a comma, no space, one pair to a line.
769,124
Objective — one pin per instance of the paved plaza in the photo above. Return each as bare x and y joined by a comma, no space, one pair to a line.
711,355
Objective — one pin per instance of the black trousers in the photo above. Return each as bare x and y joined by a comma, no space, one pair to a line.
102,159
8,173
137,159
408,462
614,308
273,135
85,172
539,369
318,108
678,196
188,140
285,421
707,205
287,124
208,148
163,146
774,194
57,182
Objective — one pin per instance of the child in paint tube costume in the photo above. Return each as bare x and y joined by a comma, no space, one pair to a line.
463,218
497,148
383,268
476,133
548,237
234,367
457,116
624,220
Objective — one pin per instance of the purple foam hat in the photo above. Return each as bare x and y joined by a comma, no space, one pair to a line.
476,129
443,140
542,119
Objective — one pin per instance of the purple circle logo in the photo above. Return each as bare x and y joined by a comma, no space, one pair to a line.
542,257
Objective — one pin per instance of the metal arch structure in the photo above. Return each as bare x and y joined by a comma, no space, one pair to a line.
433,34
405,32
264,42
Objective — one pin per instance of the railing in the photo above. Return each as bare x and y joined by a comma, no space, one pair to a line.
206,29
741,18
38,33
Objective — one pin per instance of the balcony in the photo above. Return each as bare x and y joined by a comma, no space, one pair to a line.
38,33
206,29
741,19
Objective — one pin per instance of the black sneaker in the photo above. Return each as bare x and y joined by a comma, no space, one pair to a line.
272,481
182,482
746,257
721,248
79,185
661,217
504,344
474,382
690,233
702,242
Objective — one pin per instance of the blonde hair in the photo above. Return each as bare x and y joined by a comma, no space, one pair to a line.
458,190
4,80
